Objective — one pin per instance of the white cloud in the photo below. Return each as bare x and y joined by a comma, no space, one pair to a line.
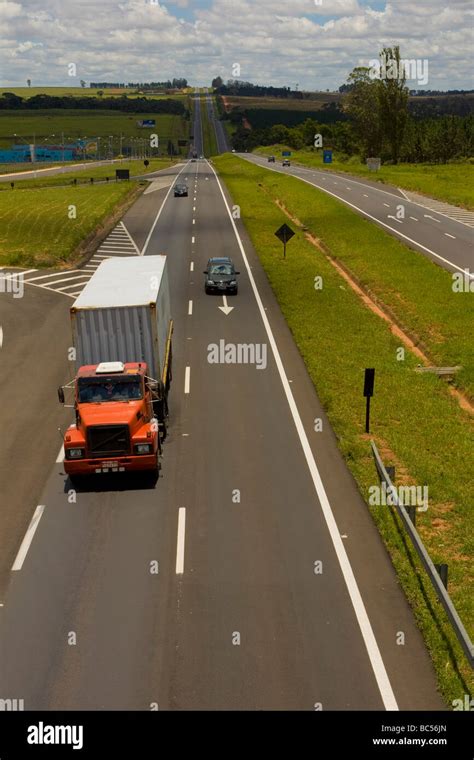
275,41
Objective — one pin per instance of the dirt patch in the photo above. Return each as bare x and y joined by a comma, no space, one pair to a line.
413,344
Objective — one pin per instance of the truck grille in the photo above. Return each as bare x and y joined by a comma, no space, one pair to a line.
109,440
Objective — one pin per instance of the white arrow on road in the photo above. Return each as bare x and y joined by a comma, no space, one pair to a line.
226,309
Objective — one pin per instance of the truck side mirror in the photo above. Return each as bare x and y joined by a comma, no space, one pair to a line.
61,395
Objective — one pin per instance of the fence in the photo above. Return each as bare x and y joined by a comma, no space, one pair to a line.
426,561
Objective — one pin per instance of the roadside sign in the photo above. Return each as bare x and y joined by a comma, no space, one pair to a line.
369,378
284,233
327,156
374,164
122,174
286,153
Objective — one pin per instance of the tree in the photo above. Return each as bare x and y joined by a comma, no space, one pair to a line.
100,93
217,82
392,99
361,102
28,82
83,84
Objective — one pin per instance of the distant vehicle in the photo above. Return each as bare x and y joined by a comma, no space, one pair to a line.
233,150
180,190
193,160
285,162
201,156
121,330
271,159
194,155
221,276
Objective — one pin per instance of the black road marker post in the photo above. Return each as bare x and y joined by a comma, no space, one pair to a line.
368,393
284,233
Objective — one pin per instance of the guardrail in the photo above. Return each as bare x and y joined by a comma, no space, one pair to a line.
426,561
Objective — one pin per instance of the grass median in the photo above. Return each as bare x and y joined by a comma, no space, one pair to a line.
208,131
452,183
417,424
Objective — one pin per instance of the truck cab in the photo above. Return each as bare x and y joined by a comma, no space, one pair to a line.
116,429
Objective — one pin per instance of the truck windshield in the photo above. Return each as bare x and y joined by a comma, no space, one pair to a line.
94,389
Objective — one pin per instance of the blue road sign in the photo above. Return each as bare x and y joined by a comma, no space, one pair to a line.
327,156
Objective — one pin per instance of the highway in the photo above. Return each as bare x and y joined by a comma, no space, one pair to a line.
221,135
273,590
442,237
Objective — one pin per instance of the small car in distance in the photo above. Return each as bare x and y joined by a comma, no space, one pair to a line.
271,159
180,190
221,276
285,162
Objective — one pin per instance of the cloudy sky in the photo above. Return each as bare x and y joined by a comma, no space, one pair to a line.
314,43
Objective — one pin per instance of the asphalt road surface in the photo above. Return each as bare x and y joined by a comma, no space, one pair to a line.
446,241
249,500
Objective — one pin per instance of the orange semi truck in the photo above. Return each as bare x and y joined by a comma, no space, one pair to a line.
121,329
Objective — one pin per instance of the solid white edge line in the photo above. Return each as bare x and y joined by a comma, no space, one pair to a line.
180,541
378,667
60,457
147,241
450,236
187,380
29,535
382,224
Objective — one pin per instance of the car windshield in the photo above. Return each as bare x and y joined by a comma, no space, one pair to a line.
93,389
225,269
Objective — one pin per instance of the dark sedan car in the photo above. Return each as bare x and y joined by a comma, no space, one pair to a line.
271,159
285,162
221,276
180,190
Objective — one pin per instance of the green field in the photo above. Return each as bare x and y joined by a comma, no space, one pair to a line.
415,421
91,124
35,228
30,92
315,103
453,183
83,176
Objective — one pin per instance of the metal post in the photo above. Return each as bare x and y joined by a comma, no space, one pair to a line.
367,415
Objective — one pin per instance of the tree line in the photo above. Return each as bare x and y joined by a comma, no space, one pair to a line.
429,140
9,101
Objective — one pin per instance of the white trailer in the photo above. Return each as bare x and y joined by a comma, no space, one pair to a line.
123,314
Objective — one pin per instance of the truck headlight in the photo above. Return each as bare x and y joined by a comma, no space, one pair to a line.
143,448
75,453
